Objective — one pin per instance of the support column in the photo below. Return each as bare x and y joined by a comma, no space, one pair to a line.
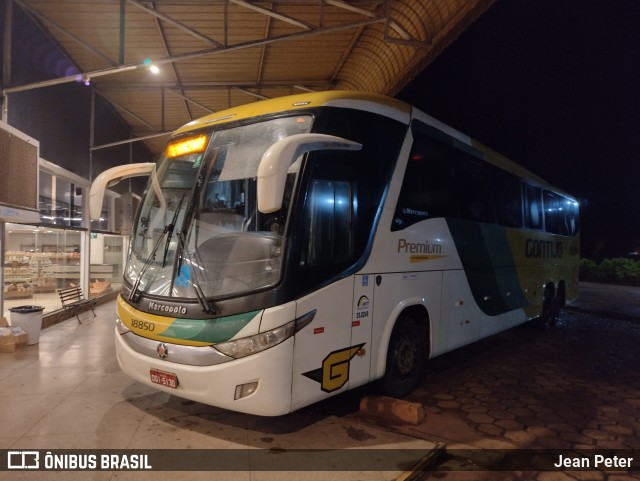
6,58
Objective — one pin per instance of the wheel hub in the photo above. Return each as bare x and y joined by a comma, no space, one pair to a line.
406,356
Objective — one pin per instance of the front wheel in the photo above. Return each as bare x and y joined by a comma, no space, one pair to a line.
405,358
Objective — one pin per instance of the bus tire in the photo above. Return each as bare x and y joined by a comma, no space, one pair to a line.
550,310
405,358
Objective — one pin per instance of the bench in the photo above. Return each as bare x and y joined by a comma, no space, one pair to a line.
71,298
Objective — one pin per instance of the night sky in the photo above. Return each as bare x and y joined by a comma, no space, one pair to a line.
555,86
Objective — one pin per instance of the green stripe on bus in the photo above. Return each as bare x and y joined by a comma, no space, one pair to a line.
489,266
209,330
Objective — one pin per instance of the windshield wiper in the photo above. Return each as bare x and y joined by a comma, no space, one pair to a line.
182,249
134,295
206,306
170,228
202,299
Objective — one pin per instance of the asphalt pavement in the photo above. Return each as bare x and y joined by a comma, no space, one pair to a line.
608,300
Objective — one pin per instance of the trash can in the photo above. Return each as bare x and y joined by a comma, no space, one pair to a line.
29,318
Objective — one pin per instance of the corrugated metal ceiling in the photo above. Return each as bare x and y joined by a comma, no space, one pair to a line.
220,53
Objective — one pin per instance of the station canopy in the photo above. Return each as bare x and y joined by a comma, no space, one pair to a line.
163,63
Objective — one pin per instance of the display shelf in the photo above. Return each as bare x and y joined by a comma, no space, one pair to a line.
13,275
13,291
27,273
46,286
49,249
101,271
16,259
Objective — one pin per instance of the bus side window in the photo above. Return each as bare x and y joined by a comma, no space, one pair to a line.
533,207
474,191
508,199
573,217
560,214
328,237
426,187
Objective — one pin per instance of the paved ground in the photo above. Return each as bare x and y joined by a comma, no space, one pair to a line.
573,387
67,392
621,302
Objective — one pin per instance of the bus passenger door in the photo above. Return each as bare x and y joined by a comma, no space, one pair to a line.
323,350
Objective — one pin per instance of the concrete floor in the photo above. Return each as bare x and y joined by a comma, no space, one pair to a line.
67,392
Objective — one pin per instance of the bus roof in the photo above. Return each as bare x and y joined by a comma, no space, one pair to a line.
380,104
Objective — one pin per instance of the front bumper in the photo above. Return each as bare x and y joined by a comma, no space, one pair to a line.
216,385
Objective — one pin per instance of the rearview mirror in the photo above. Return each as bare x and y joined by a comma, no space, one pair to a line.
111,177
275,163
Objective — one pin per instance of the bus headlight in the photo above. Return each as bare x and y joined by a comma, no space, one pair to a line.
250,345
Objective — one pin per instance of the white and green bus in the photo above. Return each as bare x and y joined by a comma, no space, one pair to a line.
291,249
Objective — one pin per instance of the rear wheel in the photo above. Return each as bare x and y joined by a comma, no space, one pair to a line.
405,358
550,310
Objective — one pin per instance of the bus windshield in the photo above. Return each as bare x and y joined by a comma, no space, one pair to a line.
199,232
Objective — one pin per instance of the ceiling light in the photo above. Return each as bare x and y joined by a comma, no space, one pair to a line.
151,66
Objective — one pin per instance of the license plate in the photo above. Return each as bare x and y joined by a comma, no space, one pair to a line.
164,378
